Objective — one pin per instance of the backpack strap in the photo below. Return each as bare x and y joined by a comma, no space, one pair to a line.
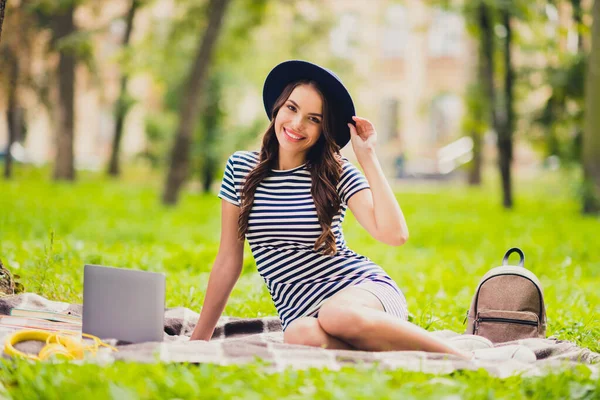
514,250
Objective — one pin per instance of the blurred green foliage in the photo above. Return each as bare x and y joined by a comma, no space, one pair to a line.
562,117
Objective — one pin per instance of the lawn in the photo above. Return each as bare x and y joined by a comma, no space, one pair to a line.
48,231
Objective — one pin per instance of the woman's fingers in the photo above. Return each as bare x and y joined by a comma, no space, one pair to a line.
352,129
356,130
362,124
361,120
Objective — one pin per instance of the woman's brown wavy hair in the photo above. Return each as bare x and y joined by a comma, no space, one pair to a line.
323,160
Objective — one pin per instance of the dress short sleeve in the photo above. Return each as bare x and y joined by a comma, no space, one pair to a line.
351,181
227,191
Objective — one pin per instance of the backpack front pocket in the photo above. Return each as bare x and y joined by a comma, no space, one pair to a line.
504,326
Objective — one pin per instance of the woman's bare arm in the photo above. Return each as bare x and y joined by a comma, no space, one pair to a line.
224,274
376,209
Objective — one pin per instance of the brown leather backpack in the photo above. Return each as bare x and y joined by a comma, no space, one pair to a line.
508,304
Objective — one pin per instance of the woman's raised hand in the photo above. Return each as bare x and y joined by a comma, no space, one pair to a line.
363,136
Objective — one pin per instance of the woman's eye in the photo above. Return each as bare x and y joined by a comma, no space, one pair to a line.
292,108
315,120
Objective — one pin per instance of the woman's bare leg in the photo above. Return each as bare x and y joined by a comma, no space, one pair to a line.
307,331
356,317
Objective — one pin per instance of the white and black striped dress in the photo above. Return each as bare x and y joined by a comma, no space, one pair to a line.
282,230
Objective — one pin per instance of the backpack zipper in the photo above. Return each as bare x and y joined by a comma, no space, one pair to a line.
506,320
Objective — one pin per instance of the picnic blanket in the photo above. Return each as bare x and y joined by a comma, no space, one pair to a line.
243,340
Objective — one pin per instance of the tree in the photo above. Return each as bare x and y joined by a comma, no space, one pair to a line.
62,26
481,99
500,105
240,72
12,110
227,72
124,101
169,57
11,58
30,21
481,96
506,117
591,135
15,59
180,154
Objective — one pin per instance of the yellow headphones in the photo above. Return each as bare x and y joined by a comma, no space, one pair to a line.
63,345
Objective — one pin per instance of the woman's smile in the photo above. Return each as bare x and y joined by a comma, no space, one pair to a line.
291,135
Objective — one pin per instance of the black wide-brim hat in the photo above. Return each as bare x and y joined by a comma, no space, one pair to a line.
332,87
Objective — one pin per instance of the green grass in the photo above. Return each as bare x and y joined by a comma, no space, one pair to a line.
48,231
127,381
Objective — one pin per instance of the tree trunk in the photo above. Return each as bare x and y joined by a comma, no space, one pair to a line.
63,25
591,135
486,77
180,154
475,172
2,8
12,114
122,106
505,133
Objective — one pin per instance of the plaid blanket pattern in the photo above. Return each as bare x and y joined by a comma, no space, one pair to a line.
243,340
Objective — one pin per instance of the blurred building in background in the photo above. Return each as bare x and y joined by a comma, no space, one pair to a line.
415,63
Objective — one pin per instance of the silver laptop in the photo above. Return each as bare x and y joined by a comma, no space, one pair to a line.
123,304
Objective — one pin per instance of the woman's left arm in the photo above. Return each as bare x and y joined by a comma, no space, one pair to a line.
377,209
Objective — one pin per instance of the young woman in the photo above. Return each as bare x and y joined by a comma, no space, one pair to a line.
289,200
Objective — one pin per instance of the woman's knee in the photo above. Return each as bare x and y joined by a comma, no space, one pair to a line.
342,319
305,331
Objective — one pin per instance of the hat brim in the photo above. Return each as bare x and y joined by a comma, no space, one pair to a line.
337,95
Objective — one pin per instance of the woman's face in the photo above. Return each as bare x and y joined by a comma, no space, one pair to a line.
298,121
